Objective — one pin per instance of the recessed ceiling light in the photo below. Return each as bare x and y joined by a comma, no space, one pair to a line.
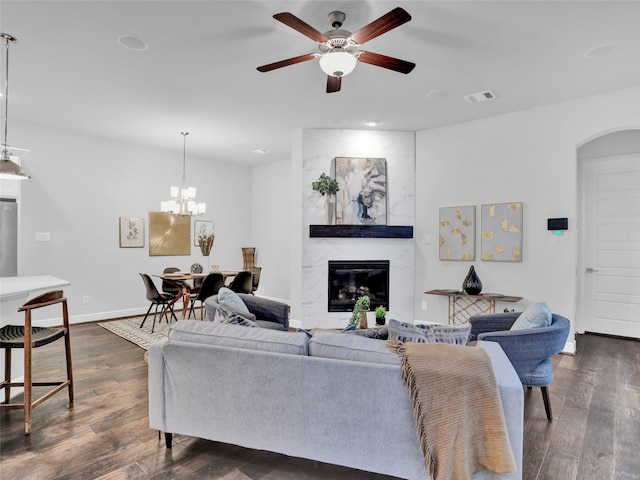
260,151
133,42
436,94
600,50
372,123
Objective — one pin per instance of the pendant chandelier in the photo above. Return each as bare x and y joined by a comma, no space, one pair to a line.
183,198
9,170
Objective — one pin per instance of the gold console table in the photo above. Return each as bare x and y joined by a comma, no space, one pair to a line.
462,306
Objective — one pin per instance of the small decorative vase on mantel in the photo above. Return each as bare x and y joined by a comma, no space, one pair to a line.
472,284
329,209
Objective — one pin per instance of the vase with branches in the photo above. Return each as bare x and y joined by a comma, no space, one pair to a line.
327,186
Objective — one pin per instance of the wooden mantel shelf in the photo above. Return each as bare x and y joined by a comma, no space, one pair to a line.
361,231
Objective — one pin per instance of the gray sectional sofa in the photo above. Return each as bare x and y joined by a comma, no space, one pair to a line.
335,397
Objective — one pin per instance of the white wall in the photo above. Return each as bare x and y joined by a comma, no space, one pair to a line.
528,156
81,185
271,227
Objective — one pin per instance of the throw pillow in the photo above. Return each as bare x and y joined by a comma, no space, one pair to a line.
537,315
406,332
431,333
222,315
381,333
229,298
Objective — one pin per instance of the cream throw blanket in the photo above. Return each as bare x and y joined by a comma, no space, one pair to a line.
457,408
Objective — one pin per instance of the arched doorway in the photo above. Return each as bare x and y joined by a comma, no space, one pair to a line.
609,235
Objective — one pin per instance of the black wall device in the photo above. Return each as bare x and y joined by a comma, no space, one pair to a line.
557,224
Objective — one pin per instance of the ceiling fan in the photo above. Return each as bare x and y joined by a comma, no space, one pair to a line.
338,55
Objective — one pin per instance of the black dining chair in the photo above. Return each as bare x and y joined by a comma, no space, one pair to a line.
210,286
242,283
255,275
167,286
156,298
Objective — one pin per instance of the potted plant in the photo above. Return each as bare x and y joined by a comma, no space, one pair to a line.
359,314
326,185
381,315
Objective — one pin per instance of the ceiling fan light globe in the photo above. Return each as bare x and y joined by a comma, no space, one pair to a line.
338,64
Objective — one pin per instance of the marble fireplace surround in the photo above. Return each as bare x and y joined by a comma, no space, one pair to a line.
317,150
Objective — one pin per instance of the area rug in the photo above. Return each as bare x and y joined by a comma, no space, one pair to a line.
129,329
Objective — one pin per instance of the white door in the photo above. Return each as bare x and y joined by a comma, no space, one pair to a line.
609,263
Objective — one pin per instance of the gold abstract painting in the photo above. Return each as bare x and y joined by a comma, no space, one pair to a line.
501,232
169,234
457,233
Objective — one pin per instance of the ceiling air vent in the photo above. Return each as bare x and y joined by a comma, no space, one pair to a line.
480,97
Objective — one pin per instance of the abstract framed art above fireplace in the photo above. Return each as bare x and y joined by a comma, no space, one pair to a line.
362,198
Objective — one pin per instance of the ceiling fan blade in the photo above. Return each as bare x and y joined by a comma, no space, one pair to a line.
389,21
294,22
286,63
383,61
333,84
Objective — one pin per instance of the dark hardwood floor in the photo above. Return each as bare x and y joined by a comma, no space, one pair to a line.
105,435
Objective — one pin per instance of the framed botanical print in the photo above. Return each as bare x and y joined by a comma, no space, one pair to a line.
131,232
201,228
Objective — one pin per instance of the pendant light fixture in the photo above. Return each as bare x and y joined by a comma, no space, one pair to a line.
9,170
183,198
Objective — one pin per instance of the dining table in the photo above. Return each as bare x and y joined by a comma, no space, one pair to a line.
185,282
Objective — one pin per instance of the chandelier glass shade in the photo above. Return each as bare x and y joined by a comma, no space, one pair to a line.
9,170
338,63
182,200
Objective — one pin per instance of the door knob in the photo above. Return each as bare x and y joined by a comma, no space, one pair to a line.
591,270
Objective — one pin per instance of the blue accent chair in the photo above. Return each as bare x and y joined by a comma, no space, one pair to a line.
529,350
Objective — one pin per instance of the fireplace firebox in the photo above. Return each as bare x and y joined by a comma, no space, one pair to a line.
352,279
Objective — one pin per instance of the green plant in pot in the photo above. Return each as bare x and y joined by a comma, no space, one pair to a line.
327,186
381,315
359,310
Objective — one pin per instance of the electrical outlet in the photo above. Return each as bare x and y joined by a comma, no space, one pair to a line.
85,299
424,305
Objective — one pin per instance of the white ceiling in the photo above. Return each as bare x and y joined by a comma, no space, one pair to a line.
199,72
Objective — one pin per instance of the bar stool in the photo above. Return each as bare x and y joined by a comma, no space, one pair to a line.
28,337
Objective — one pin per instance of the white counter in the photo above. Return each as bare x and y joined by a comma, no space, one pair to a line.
22,286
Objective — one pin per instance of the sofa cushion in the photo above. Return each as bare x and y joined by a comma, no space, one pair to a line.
229,298
357,348
430,333
537,315
227,335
